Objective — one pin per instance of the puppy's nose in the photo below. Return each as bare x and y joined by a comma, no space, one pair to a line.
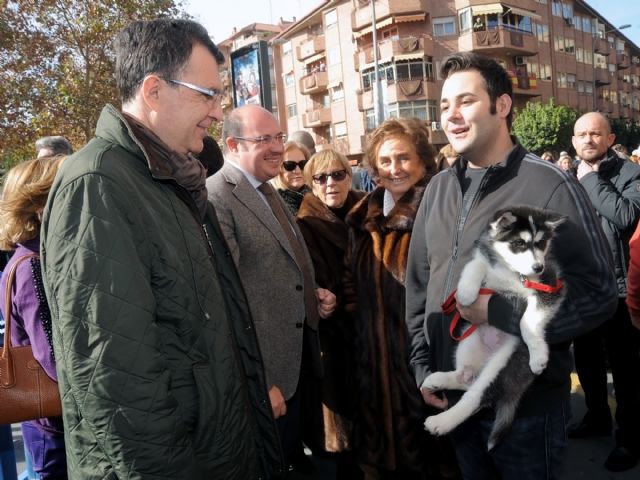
537,267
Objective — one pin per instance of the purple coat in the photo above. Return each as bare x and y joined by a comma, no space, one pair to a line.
27,327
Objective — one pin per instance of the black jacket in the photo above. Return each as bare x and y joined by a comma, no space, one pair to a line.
614,191
442,243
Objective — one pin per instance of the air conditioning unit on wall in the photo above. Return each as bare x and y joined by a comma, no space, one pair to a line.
519,60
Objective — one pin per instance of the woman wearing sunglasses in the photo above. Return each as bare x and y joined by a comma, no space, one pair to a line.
328,403
290,181
390,439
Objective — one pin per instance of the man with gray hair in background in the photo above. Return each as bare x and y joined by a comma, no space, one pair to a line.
53,145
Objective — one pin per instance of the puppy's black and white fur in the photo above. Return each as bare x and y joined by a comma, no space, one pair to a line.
494,367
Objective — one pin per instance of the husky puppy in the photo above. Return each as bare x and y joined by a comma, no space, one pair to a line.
493,367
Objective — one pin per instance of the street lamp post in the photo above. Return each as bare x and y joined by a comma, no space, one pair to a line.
595,76
378,108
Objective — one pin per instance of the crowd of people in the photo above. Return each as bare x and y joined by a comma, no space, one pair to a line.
208,312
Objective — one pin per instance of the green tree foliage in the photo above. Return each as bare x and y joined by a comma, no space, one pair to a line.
56,66
627,133
545,126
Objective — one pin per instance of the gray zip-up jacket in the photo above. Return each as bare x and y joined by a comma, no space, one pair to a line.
614,191
442,243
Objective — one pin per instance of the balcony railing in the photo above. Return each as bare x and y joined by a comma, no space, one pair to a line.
311,47
314,83
398,48
501,40
361,15
317,117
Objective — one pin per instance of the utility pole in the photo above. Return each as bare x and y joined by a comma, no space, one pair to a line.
378,107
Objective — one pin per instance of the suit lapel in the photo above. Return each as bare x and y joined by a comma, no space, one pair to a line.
250,198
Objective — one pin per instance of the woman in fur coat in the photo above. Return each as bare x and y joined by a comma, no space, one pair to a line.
390,439
328,404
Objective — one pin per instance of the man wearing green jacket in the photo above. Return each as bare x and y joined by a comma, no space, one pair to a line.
159,367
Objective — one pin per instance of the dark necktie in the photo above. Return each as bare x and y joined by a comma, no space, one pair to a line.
310,302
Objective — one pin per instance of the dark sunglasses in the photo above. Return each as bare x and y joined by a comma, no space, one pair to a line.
337,176
290,165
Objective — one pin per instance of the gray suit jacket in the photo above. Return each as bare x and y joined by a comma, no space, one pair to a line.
268,270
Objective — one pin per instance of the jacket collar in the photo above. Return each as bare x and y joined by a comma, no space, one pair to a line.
497,170
610,161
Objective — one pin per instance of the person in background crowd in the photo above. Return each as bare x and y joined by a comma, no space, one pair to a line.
566,163
328,404
635,156
613,186
390,440
273,261
25,194
305,138
494,171
548,156
160,369
54,145
211,156
290,180
446,157
633,280
361,179
621,150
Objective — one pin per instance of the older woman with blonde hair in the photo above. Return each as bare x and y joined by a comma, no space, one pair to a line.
446,157
290,181
328,404
24,195
390,439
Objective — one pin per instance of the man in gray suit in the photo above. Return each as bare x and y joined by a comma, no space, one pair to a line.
272,259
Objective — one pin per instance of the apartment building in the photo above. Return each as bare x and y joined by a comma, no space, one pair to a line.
324,64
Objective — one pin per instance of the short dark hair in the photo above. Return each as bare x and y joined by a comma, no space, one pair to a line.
162,46
417,134
56,144
496,78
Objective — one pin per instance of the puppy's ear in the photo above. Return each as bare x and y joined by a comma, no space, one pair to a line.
502,223
555,221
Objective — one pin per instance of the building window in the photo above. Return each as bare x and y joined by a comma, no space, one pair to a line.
423,109
412,70
580,86
542,32
444,26
562,79
558,43
571,81
600,61
340,130
577,22
390,33
588,87
612,68
292,110
579,54
545,71
330,18
567,10
286,48
334,56
337,93
369,120
465,20
569,45
556,8
588,57
289,79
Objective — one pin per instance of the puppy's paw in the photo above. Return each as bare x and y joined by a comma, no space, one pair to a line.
437,424
466,296
436,381
538,362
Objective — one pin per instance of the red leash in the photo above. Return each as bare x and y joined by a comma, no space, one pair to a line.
449,305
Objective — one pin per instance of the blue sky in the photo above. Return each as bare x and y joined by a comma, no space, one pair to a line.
220,22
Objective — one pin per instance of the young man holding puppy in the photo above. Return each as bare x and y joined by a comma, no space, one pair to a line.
494,171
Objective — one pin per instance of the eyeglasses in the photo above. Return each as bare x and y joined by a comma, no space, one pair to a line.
265,139
210,94
290,165
338,176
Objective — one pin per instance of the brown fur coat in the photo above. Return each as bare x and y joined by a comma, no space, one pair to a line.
389,430
328,404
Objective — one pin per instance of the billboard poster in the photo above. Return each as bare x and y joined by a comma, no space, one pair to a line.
250,74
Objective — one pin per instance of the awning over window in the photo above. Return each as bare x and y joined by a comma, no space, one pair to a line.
409,56
314,58
369,29
522,12
410,18
487,9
